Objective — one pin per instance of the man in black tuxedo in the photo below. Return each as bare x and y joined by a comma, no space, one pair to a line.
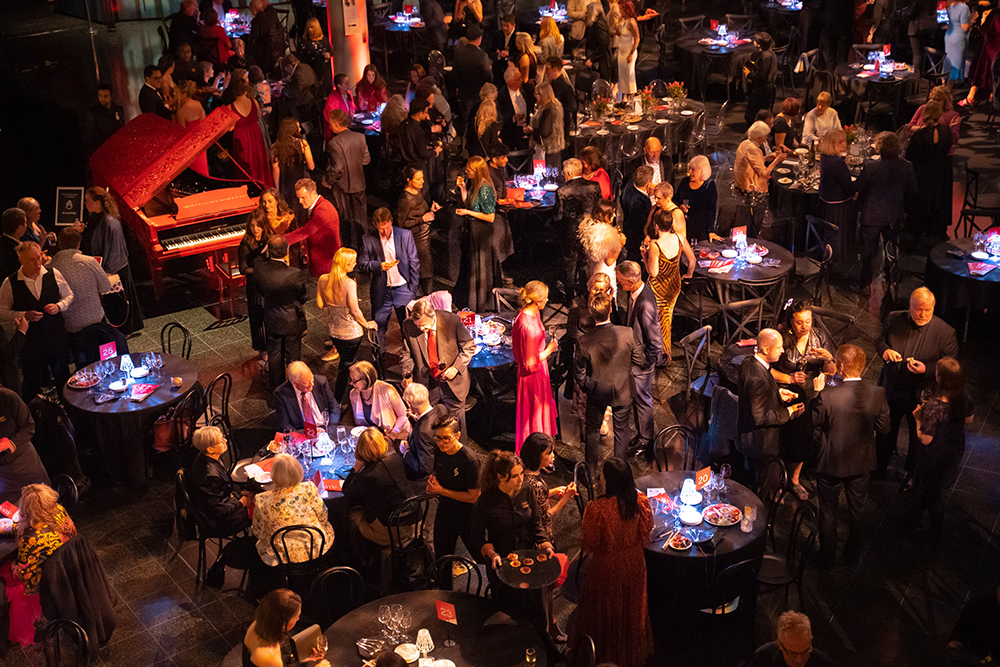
348,153
636,206
303,398
418,451
503,48
472,67
641,316
515,103
846,417
283,289
602,366
563,90
390,256
762,408
184,25
299,91
14,224
911,344
150,100
575,200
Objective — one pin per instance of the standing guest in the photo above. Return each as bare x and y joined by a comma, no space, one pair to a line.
598,41
515,104
10,356
575,199
593,170
167,64
419,449
467,12
928,151
836,189
291,158
793,647
304,399
375,488
550,40
41,296
487,126
960,19
487,93
982,68
371,90
184,24
337,297
322,228
628,49
527,62
660,162
884,188
102,120
414,144
267,642
348,153
35,231
150,98
577,10
602,370
480,268
395,112
698,198
563,91
661,253
761,71
536,408
219,508
20,464
471,65
636,207
15,226
437,349
847,418
435,28
186,68
503,50
210,31
377,403
455,482
315,50
911,344
642,317
820,120
503,241
786,123
43,527
415,215
949,116
341,98
188,114
602,243
274,212
300,83
616,528
547,125
751,176
762,408
253,245
265,30
283,289
391,258
417,73
248,148
941,430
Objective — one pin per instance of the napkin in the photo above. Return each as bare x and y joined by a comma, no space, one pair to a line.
704,263
721,266
980,268
770,262
333,484
296,437
140,392
8,509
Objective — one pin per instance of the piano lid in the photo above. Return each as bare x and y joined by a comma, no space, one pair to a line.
146,154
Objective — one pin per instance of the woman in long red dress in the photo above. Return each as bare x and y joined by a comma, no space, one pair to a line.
536,408
248,141
612,610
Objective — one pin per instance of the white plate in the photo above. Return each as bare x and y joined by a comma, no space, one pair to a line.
408,652
868,68
662,121
443,663
753,259
632,127
603,132
979,254
802,151
876,157
689,516
358,116
140,372
564,67
785,180
729,253
367,121
687,112
783,170
118,386
551,187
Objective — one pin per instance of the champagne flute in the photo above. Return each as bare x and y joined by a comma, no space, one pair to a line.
384,614
727,471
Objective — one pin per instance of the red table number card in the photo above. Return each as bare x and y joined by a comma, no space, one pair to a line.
887,50
407,9
108,351
9,509
713,24
737,232
446,612
702,478
333,485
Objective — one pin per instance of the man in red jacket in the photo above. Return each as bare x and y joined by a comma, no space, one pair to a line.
322,227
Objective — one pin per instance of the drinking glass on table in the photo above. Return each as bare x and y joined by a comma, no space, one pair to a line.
342,437
322,644
395,614
405,620
727,472
384,615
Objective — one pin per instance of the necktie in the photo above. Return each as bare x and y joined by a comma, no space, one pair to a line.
307,418
432,353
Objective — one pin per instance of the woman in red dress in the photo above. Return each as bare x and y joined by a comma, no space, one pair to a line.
612,608
371,90
536,408
248,140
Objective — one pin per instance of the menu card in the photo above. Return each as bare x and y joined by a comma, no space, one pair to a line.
295,435
140,392
721,266
9,510
980,268
333,485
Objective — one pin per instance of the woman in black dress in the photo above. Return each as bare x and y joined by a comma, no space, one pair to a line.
760,71
104,237
314,50
252,245
480,271
837,191
415,214
698,197
787,124
291,158
487,127
928,152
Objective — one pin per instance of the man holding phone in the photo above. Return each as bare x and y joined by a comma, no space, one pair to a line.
391,258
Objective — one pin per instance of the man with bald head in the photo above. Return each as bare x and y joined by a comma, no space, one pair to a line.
911,344
660,162
762,406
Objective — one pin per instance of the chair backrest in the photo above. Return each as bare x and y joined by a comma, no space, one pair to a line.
802,539
861,51
740,317
584,486
298,576
771,290
819,81
695,344
58,634
658,88
382,9
824,317
232,453
406,524
738,22
971,199
184,520
934,64
690,24
737,580
441,572
584,655
334,593
504,299
186,416
772,484
600,88
69,496
167,335
223,386
687,449
819,233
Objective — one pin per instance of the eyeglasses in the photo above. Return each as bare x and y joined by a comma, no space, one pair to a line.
445,438
795,654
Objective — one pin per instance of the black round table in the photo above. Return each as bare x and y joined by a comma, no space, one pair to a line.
953,284
679,581
704,57
120,427
484,636
786,263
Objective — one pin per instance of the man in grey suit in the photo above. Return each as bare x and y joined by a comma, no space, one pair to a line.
642,318
348,153
391,257
847,417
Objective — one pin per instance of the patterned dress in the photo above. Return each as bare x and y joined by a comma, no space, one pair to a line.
613,601
299,504
536,409
34,546
666,288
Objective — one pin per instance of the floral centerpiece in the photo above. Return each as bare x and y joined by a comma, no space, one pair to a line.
852,134
646,100
602,105
676,90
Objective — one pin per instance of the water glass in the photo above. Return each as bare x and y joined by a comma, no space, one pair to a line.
727,472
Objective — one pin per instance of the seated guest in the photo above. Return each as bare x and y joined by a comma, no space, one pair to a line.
375,488
43,527
371,90
186,68
218,506
786,124
698,197
636,206
222,50
593,170
184,24
377,403
267,642
303,399
418,451
298,92
417,72
820,120
240,59
976,636
793,647
19,462
340,98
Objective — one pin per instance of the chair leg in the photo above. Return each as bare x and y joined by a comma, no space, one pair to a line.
199,575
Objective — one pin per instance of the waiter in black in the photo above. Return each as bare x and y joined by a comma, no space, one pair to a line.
40,295
911,344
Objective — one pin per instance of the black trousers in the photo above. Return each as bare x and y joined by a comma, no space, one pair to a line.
828,491
281,351
870,237
449,525
348,350
353,210
885,445
935,471
593,419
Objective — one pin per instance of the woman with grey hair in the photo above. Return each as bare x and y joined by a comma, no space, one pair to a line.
698,197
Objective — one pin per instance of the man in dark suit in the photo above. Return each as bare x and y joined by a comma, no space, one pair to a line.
661,164
503,48
102,120
414,142
267,39
418,451
564,92
437,349
515,104
184,25
911,344
321,228
472,67
390,256
575,200
150,100
762,408
303,399
299,91
846,417
220,7
348,153
283,289
636,206
602,366
14,224
642,317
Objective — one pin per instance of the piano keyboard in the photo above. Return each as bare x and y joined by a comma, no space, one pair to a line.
229,233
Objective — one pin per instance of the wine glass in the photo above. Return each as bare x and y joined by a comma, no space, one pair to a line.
384,615
395,614
405,621
727,471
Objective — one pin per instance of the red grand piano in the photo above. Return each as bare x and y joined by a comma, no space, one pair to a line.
175,211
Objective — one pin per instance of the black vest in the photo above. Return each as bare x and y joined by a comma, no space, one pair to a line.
24,300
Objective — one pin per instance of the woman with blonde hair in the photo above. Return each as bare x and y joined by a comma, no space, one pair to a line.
536,408
527,63
550,40
337,297
949,116
836,189
488,126
820,120
315,50
188,113
375,488
480,269
43,526
377,403
547,125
